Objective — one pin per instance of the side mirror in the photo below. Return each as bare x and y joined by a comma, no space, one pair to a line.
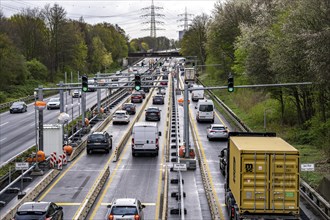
195,107
110,136
60,208
159,133
143,206
109,206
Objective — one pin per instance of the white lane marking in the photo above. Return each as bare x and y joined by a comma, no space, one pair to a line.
4,123
30,113
3,139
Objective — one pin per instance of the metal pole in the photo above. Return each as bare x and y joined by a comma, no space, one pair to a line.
186,120
41,121
71,77
98,96
61,97
65,77
83,108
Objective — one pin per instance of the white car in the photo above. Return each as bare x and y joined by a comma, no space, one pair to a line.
126,208
161,91
118,73
53,103
76,93
120,116
217,131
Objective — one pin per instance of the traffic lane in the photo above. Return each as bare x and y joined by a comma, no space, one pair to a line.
71,188
212,151
136,177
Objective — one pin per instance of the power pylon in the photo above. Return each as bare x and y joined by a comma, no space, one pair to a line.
153,20
185,20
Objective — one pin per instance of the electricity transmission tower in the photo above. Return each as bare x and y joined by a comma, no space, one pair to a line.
185,20
153,20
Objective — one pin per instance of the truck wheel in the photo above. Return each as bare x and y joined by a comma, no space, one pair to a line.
89,151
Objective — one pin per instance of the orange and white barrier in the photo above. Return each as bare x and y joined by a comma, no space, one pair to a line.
60,163
53,160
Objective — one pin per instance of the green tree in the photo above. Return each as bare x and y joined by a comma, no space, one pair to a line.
37,70
101,57
13,70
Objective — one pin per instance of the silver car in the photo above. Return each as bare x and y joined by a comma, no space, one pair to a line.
120,116
53,103
217,131
126,208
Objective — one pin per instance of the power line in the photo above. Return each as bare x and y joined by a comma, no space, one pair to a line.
153,20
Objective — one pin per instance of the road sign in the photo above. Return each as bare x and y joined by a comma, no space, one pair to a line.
21,165
307,167
180,167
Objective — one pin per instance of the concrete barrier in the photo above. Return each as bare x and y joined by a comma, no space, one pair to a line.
32,195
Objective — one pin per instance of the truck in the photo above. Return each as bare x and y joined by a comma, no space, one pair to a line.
189,75
197,94
262,177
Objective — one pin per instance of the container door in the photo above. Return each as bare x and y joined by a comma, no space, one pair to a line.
284,183
254,182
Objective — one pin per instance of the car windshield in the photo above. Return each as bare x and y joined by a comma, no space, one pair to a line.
206,108
152,110
54,100
96,137
136,94
124,210
120,114
17,104
218,128
128,106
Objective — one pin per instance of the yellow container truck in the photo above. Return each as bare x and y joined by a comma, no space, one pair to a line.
262,177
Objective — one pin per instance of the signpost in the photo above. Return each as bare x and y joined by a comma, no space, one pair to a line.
180,167
21,166
307,167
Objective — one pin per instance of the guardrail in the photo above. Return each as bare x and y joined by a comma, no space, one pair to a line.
306,192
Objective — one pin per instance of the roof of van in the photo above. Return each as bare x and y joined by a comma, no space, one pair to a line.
205,101
144,124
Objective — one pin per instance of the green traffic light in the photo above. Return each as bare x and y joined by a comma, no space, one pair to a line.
84,89
231,89
137,88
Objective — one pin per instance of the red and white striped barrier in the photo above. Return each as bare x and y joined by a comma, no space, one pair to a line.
64,158
60,163
53,160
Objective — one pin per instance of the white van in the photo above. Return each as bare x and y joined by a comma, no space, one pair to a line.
145,138
197,94
205,110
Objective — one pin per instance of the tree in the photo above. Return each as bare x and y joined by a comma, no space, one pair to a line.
37,70
101,57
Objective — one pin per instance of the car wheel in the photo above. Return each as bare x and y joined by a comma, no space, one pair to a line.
89,151
10,112
212,121
223,173
146,119
133,154
107,151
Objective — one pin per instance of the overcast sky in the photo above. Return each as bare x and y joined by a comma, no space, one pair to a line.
127,14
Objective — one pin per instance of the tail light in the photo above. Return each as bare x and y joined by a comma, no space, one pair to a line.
136,217
158,113
156,141
232,212
132,141
197,114
111,217
213,131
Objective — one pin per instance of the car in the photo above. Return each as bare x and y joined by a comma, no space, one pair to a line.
158,99
145,89
76,93
118,73
130,108
223,161
136,97
152,114
18,107
53,103
161,91
99,141
39,210
217,131
120,116
126,208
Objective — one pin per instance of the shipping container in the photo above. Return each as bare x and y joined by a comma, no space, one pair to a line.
263,176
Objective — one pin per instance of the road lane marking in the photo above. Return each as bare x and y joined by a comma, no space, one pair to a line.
61,176
4,123
219,205
98,204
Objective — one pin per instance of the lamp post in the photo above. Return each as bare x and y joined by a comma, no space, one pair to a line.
63,118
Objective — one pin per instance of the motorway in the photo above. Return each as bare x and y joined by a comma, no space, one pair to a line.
140,177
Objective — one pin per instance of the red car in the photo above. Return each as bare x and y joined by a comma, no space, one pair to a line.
136,97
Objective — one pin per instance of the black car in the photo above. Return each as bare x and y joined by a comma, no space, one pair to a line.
152,114
129,107
158,99
18,107
99,141
39,210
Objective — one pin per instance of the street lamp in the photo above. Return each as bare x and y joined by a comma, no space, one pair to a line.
64,118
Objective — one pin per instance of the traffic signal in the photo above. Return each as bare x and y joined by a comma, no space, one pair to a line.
230,83
137,80
84,83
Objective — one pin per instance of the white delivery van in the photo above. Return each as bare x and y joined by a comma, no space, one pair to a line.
205,110
145,138
197,94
